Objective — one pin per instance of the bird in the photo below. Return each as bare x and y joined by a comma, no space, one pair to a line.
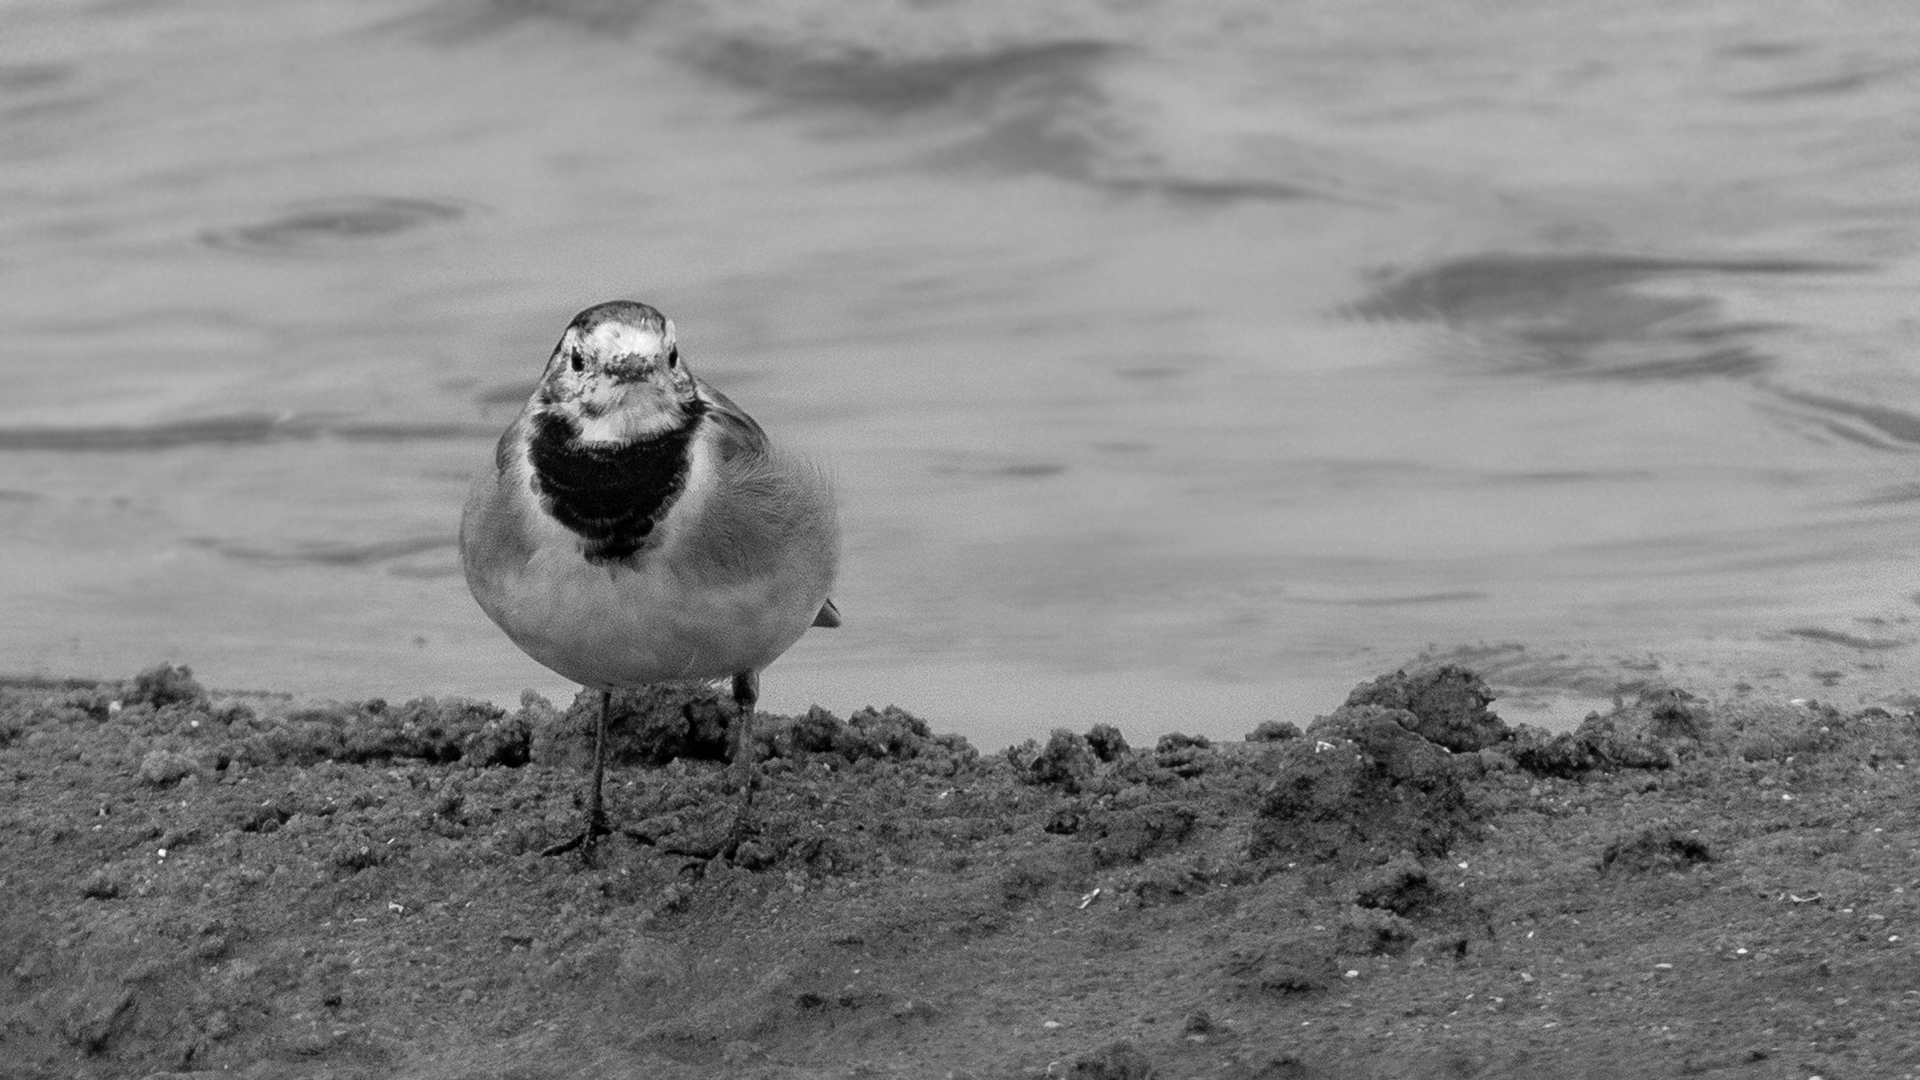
638,527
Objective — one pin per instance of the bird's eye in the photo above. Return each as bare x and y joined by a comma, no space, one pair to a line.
577,364
673,356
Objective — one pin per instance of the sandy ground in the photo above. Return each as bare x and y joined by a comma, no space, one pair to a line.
1404,887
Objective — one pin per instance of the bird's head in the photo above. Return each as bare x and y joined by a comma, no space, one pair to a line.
617,374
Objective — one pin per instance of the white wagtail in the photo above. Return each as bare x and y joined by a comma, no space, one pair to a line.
637,527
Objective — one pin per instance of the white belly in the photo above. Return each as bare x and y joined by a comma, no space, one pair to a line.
611,626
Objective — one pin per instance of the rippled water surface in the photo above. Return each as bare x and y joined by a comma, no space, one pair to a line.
1183,364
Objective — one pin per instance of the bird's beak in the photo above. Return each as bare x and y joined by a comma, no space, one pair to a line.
633,369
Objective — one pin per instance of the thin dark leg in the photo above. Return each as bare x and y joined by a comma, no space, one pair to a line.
596,815
746,692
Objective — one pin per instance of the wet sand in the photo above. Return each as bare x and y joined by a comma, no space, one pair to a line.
1405,885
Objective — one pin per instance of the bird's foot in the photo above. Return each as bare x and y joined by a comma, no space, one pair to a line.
740,849
739,778
583,840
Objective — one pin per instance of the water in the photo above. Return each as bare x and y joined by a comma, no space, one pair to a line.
1179,365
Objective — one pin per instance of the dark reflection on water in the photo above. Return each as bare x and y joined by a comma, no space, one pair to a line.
1019,470
1498,284
1208,191
1570,476
1851,641
462,20
1839,84
1727,360
334,223
1898,495
377,431
18,77
1881,427
1577,314
1043,107
200,432
327,554
1453,597
34,100
513,393
1035,108
219,430
867,79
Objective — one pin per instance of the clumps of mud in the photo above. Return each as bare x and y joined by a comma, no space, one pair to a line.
1359,786
163,686
182,732
1115,1061
1446,706
1404,768
1662,847
657,725
376,863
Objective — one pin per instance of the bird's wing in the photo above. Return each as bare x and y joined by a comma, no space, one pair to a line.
772,514
739,434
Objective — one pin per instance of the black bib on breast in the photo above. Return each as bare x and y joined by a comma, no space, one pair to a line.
611,496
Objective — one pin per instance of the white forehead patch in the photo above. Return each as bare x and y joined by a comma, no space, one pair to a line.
625,339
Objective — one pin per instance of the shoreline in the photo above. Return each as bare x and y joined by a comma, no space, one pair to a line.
1553,685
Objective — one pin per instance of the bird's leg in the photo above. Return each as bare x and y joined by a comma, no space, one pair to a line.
746,692
596,814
